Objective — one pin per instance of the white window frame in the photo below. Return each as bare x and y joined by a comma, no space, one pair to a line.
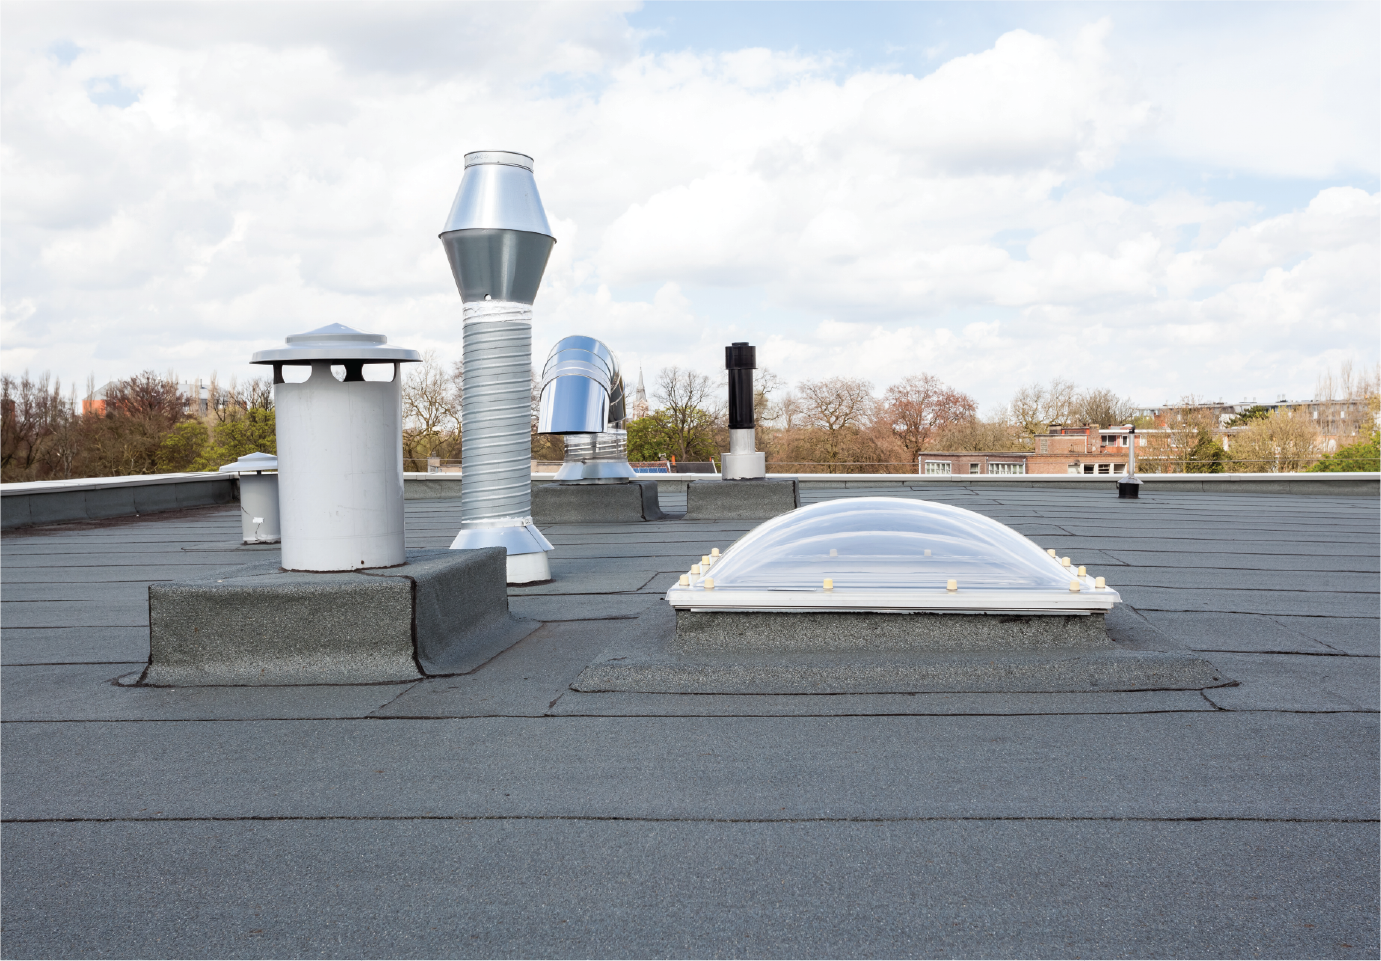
1008,468
933,467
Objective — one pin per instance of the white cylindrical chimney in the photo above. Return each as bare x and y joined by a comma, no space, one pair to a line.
340,451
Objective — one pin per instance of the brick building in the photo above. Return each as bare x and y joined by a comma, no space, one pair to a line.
1083,450
973,462
1061,450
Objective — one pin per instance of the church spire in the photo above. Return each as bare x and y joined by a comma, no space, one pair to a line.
639,406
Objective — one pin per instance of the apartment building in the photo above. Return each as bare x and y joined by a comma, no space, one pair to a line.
1060,450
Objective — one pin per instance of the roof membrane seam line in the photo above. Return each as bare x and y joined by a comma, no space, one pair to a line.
864,714
404,690
1329,653
1323,617
690,820
701,717
72,663
1276,620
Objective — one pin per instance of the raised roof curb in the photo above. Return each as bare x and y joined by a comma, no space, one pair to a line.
443,612
741,499
629,503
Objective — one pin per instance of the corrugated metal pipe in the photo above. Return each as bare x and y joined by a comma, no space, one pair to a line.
498,241
583,399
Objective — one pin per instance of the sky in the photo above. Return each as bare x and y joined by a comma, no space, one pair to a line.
1161,199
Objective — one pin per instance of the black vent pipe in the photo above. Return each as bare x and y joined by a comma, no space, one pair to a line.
741,359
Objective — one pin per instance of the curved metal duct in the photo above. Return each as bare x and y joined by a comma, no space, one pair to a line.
583,399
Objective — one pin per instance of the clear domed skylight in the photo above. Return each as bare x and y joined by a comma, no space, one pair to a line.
889,553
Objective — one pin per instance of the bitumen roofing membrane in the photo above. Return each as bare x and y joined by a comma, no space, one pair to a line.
502,814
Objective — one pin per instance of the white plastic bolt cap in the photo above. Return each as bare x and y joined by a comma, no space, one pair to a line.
1074,587
1064,561
709,583
1100,583
685,580
1050,551
695,570
829,584
951,585
1083,571
714,552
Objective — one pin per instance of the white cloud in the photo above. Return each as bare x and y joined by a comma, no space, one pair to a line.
283,172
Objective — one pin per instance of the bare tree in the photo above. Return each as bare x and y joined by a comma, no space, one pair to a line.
1187,437
1034,408
30,412
431,410
1342,400
1283,442
686,412
1103,408
976,434
140,411
790,412
836,406
920,408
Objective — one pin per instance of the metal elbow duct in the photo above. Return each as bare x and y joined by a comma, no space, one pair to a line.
582,391
583,399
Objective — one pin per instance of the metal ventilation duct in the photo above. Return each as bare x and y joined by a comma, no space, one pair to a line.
497,240
583,399
744,461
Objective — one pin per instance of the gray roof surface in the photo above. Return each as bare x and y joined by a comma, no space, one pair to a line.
501,814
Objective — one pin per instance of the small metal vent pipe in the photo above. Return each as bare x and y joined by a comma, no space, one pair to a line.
743,462
583,399
498,241
258,497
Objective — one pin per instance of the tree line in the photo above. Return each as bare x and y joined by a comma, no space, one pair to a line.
838,424
145,424
149,424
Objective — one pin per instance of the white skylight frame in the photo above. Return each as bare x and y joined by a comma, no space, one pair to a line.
885,567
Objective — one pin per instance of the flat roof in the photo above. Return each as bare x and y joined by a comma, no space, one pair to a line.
502,814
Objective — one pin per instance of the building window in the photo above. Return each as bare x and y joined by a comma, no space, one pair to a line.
1118,468
1006,468
1105,468
973,468
1088,468
1045,446
938,467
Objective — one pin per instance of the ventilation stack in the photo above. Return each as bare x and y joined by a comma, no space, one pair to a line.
498,241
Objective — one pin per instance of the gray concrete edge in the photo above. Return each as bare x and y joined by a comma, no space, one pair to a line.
418,486
101,501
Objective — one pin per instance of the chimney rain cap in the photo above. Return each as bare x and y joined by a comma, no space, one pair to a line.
335,342
256,462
